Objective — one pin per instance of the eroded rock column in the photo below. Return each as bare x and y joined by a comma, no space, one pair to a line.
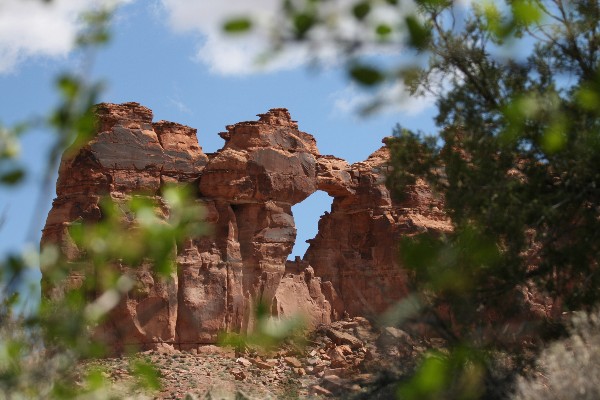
265,167
129,156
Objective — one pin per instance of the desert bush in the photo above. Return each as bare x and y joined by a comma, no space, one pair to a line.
568,368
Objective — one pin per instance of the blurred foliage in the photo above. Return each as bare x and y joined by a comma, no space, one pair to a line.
518,166
268,333
517,163
43,352
238,25
457,375
11,171
140,232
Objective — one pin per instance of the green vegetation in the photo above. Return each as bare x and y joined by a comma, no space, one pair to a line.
38,352
519,169
517,160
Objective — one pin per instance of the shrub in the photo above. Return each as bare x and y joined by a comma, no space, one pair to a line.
568,368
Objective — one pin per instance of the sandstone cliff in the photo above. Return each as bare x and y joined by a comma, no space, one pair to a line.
247,188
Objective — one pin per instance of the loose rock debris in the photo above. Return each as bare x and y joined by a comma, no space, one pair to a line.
343,360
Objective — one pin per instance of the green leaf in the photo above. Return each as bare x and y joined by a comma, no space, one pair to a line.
146,374
410,76
164,266
68,86
9,145
237,25
493,18
12,177
96,31
361,10
588,99
419,35
96,380
435,3
555,137
383,30
303,22
429,381
526,12
366,75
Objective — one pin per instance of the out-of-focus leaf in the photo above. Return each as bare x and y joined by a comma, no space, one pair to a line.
68,86
526,12
237,25
64,390
410,76
419,34
361,10
434,3
96,30
429,381
14,264
303,22
588,98
366,75
95,379
85,128
404,309
164,266
383,30
12,177
555,137
493,17
456,374
146,374
517,112
262,310
9,144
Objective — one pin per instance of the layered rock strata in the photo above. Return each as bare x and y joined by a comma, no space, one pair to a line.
248,189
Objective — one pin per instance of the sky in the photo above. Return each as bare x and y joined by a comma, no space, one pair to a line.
171,56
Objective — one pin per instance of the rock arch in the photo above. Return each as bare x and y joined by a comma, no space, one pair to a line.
306,216
248,188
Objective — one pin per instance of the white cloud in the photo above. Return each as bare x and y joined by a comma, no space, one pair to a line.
391,98
179,105
241,55
32,28
221,53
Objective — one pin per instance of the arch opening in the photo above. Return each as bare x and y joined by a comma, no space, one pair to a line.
306,217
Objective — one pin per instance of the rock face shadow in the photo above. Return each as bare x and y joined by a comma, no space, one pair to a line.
248,189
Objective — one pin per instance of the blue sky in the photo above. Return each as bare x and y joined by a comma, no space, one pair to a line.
169,56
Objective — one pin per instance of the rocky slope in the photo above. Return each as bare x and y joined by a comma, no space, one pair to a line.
247,188
347,359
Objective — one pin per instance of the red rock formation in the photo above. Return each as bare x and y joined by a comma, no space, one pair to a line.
128,155
264,168
355,247
248,188
301,294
